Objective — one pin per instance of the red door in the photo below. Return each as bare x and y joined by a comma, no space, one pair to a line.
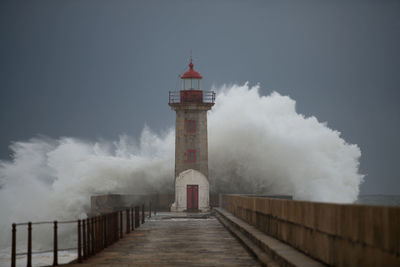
192,194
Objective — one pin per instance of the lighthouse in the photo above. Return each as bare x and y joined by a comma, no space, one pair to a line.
191,103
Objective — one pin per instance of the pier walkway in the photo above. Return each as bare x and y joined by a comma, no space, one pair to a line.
169,239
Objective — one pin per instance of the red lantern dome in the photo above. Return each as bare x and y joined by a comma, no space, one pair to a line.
191,73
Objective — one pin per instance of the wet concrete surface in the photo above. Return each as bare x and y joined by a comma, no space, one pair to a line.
176,239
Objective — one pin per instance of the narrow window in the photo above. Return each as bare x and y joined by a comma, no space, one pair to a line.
191,155
191,126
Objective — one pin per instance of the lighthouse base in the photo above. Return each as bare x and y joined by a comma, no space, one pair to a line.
192,192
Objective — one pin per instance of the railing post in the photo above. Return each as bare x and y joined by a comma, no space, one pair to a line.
121,223
128,227
89,240
96,234
55,245
137,219
105,229
79,242
142,213
116,229
92,236
104,241
29,254
84,238
132,220
157,201
89,236
149,209
13,245
103,232
99,231
110,229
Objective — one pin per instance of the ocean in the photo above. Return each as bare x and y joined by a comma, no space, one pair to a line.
380,200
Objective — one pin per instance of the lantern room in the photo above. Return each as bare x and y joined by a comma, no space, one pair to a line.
191,79
191,91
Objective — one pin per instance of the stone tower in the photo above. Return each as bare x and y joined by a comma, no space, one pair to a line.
191,146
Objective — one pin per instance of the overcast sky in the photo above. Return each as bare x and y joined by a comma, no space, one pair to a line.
96,69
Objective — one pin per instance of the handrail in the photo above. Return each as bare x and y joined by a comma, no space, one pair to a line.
191,96
45,251
45,222
94,233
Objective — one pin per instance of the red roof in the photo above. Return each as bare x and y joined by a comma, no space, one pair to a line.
191,73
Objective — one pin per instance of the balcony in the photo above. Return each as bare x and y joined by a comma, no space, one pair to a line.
191,96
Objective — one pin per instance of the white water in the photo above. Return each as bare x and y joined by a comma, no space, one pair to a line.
257,144
261,144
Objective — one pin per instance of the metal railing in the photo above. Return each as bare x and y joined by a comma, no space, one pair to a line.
191,96
93,234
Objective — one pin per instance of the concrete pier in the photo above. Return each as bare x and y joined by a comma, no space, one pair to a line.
272,232
176,239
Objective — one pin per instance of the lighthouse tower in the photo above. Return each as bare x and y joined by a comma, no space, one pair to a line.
192,188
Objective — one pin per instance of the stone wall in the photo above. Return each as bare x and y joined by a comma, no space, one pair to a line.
335,234
196,140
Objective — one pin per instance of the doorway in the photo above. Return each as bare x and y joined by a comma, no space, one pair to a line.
192,197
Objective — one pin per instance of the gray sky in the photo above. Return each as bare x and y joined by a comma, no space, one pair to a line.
96,69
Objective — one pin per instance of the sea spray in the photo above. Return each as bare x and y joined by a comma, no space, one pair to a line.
48,180
257,144
260,144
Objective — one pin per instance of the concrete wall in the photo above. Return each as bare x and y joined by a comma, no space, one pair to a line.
113,202
335,234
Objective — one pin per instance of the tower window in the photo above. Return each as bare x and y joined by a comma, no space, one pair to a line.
191,155
191,126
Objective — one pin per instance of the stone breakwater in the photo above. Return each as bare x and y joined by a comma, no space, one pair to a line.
334,234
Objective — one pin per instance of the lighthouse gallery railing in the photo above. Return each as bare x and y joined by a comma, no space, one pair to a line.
191,96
